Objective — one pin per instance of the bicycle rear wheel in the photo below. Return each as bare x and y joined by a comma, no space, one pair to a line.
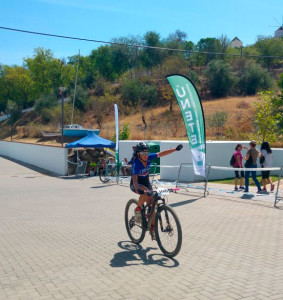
168,231
135,230
103,176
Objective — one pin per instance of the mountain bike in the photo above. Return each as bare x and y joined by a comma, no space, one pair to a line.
167,226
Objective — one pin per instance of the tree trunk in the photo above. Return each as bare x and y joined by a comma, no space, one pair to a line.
144,122
171,105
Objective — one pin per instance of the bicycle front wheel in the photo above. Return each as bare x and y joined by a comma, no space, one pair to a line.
136,230
102,175
168,231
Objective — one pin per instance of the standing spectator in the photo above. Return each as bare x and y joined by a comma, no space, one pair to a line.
251,162
239,164
266,152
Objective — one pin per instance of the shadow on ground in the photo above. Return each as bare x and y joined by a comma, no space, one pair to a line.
184,202
137,255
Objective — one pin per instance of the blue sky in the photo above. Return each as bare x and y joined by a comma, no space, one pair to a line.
104,20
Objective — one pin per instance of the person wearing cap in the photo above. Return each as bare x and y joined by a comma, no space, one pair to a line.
252,155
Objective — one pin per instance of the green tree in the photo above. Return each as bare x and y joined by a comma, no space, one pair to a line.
39,70
266,118
47,72
177,40
18,86
87,71
268,46
120,59
280,81
151,57
104,62
254,79
14,110
277,101
220,79
207,45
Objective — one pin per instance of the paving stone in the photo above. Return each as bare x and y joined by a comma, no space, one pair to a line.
66,239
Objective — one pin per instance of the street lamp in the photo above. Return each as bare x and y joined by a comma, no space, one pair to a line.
61,93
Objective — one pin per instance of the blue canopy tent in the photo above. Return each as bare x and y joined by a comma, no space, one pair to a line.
91,141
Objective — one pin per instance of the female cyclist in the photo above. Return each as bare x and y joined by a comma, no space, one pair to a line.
140,176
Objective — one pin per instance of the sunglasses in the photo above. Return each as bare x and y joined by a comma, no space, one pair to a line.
144,153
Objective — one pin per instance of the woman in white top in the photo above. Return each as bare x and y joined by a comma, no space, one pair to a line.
266,152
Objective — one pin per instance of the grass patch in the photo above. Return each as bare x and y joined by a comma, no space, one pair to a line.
232,180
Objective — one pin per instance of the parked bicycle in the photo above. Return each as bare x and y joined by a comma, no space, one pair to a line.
107,170
167,226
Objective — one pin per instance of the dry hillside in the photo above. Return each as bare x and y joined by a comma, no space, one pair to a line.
161,123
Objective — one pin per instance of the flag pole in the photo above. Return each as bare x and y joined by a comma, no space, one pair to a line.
117,140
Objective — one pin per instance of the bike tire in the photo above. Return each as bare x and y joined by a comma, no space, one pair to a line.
168,229
131,225
103,177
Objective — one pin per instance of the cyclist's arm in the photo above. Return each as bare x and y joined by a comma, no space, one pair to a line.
165,152
135,182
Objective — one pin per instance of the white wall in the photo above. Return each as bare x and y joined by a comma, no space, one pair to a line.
54,159
50,158
218,154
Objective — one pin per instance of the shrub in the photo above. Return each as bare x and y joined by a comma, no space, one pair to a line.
266,118
14,109
131,92
220,79
254,80
43,104
193,76
243,105
81,98
218,120
125,133
148,93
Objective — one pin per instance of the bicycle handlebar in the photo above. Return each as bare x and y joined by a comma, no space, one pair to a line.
159,191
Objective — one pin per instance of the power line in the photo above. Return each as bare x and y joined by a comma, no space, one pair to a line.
136,46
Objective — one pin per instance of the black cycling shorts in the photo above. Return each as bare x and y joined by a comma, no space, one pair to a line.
141,180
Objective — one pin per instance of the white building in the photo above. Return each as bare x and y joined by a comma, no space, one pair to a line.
279,32
236,43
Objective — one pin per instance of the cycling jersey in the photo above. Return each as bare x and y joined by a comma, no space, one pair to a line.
139,169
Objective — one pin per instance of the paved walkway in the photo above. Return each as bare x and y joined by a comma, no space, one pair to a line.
66,239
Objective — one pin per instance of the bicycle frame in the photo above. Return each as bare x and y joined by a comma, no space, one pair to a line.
154,203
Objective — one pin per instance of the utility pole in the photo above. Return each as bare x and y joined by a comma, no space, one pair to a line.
61,93
76,79
11,124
